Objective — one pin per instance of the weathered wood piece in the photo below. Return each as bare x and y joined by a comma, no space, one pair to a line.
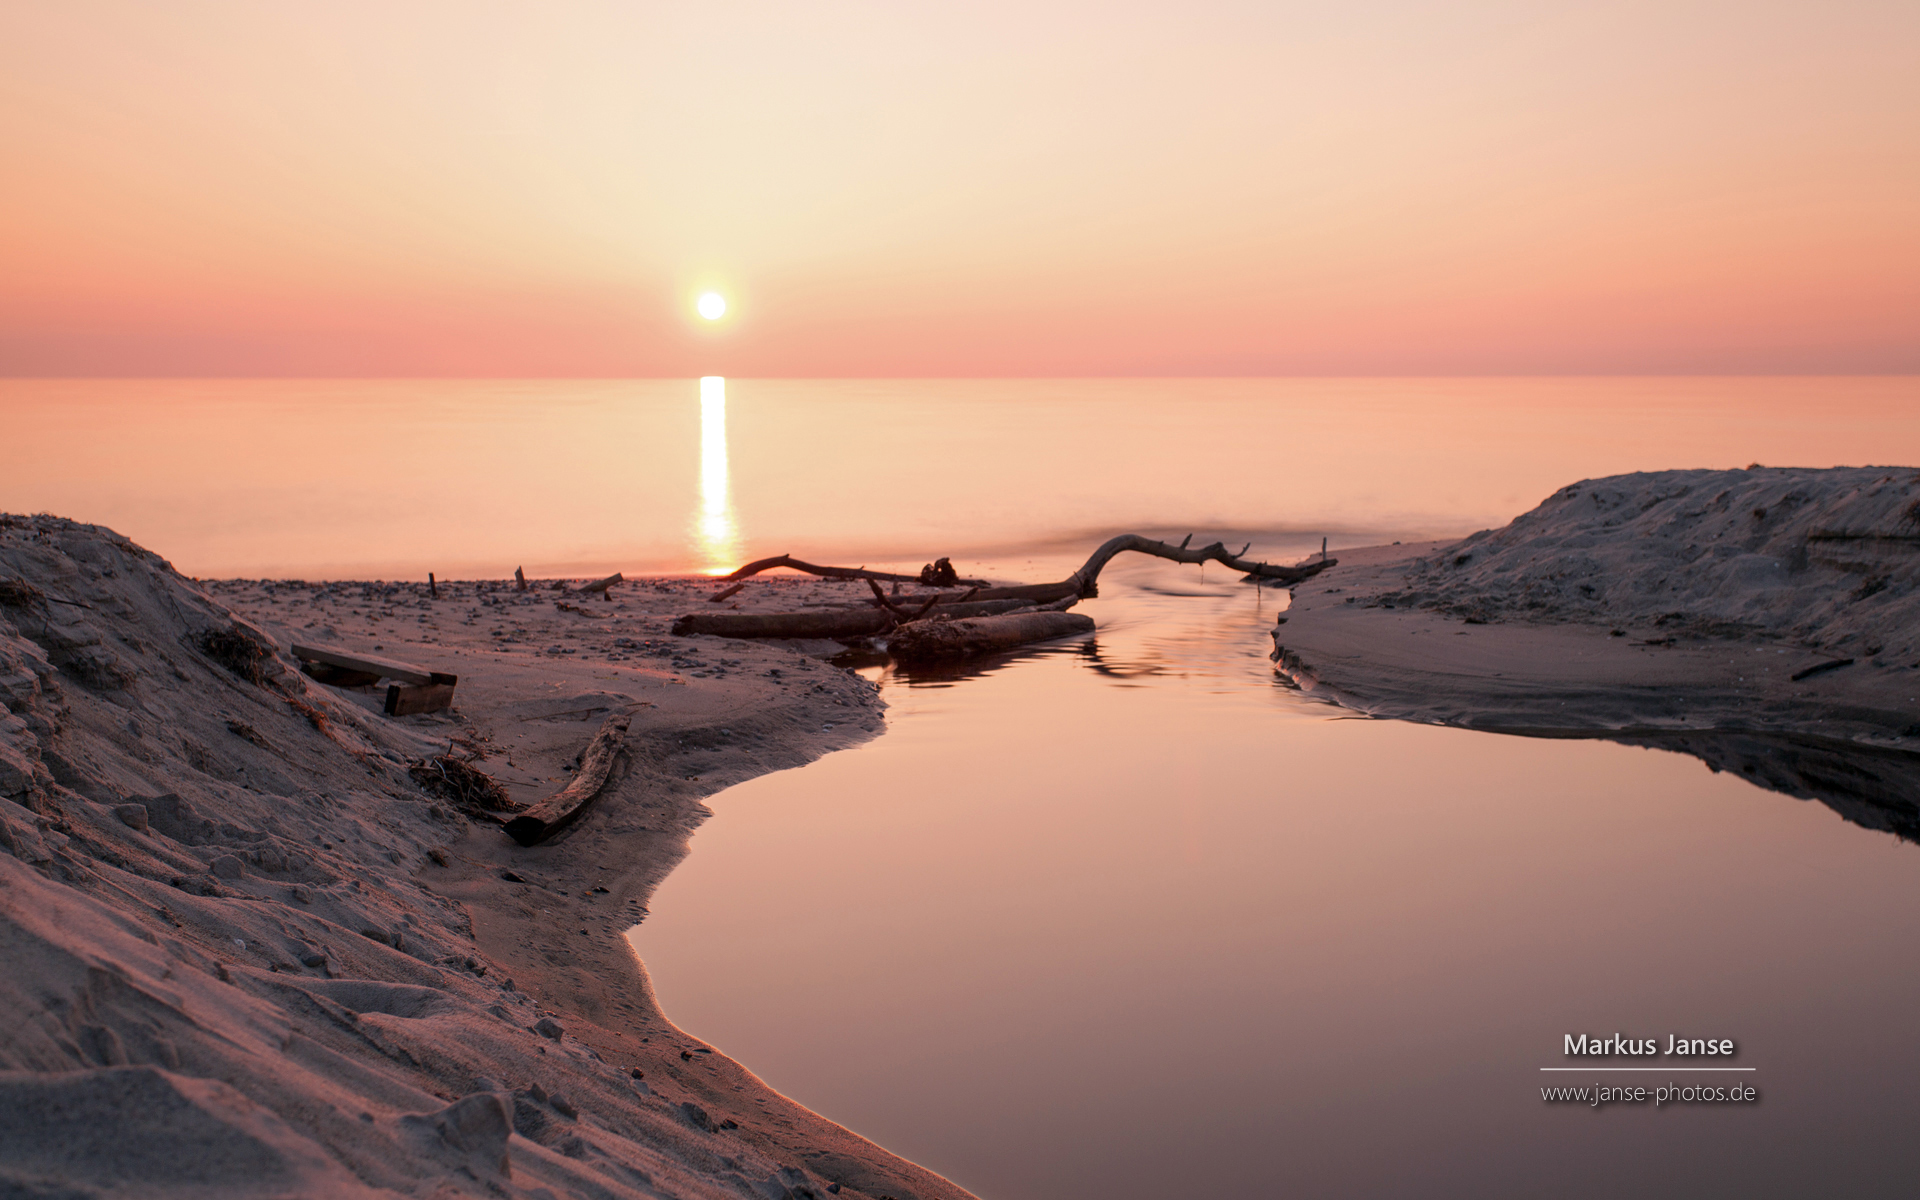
406,699
824,623
925,605
920,641
380,668
786,560
726,593
601,585
542,820
1035,593
334,676
821,623
519,579
982,608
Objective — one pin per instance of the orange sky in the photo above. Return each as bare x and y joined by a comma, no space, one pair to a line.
242,187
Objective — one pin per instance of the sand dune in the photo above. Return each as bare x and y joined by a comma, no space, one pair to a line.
1766,621
245,954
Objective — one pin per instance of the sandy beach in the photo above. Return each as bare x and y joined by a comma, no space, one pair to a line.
248,955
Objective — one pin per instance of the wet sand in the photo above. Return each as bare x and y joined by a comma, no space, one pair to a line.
1345,637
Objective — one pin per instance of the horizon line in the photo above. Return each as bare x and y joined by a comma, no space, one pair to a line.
504,377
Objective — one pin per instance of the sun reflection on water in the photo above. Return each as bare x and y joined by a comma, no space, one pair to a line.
716,536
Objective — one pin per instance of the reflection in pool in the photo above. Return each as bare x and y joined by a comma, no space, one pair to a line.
1129,918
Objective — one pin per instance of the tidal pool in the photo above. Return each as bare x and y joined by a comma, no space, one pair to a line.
1129,918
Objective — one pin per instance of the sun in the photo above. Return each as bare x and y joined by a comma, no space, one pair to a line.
711,305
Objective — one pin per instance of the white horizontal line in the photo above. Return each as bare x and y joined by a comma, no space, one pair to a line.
1649,1068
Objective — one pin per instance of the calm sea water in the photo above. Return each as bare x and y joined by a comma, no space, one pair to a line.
398,478
1125,917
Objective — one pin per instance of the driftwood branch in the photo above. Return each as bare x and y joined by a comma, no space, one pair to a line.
541,821
910,611
1083,583
1085,579
786,560
601,585
904,614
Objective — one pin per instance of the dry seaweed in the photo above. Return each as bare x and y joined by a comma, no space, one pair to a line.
465,785
314,716
18,593
238,651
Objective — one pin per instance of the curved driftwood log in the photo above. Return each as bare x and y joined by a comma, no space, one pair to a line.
786,560
1085,578
539,823
919,641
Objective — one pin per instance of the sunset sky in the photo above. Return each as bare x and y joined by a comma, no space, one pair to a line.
243,187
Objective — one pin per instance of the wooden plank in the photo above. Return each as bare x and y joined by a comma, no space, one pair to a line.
334,676
596,762
386,668
404,700
601,585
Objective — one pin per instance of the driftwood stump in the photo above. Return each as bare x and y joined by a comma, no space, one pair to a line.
831,623
919,641
542,820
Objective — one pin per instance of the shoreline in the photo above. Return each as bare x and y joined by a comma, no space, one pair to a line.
1848,737
487,1031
